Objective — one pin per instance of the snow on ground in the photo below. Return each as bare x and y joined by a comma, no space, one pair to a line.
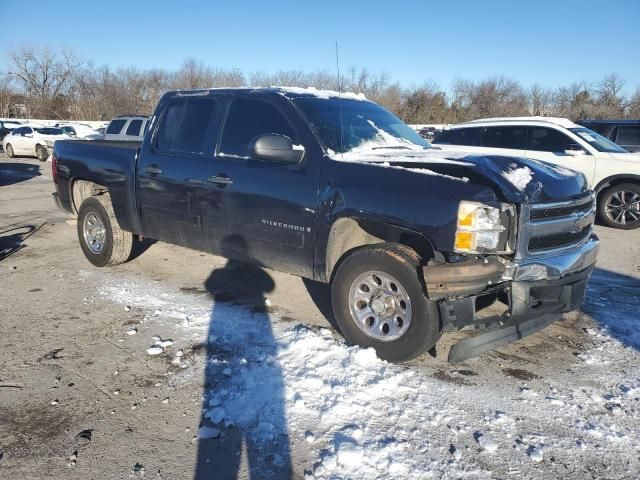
364,418
519,177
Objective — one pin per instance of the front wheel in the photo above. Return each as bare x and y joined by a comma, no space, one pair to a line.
102,240
619,206
379,302
10,152
41,153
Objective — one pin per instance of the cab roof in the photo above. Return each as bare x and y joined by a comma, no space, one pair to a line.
534,120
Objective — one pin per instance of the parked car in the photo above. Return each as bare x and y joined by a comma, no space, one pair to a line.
127,128
429,133
625,133
413,241
7,126
32,141
612,172
80,131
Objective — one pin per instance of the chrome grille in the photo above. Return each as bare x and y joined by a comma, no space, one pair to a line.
552,227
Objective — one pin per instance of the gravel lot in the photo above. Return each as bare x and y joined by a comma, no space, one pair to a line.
81,397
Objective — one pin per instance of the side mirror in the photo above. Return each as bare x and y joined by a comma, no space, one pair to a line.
574,150
28,135
276,148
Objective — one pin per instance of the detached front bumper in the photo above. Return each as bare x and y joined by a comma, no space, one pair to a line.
535,293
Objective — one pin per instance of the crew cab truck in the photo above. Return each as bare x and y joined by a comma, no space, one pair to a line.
329,186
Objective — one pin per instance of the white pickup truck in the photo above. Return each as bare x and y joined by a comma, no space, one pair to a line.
128,128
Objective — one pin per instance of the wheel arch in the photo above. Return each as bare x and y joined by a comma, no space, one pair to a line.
82,189
349,233
614,180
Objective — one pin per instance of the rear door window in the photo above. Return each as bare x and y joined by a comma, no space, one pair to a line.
185,124
505,137
459,136
628,135
115,127
134,128
549,140
247,119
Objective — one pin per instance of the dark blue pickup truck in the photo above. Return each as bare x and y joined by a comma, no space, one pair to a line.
334,188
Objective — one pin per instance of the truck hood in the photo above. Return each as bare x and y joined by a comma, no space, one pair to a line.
515,179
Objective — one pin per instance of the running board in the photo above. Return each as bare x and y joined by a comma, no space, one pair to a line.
473,346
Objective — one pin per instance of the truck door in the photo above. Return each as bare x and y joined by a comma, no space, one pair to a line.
171,188
260,211
551,145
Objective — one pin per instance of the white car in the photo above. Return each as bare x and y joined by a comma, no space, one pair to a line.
32,141
80,131
611,171
127,128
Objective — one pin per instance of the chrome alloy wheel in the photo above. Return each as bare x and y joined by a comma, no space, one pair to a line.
380,306
623,207
94,233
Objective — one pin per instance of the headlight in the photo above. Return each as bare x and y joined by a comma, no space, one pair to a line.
48,143
482,229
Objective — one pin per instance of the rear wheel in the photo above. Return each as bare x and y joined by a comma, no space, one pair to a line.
102,240
379,302
41,153
619,206
10,152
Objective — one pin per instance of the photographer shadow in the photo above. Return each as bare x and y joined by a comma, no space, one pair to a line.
243,411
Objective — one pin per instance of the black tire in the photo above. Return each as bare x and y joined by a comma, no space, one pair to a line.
10,152
401,263
117,244
612,217
41,153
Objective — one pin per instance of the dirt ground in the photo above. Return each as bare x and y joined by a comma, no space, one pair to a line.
80,397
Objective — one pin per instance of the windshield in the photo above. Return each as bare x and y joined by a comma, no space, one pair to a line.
365,126
597,141
49,131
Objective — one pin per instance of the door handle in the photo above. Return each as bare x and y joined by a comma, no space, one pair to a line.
153,170
221,180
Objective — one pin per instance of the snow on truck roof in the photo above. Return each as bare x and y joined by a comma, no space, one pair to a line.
562,122
314,92
286,91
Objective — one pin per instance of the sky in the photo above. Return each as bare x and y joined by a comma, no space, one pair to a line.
548,42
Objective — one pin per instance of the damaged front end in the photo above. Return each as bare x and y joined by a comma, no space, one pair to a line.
512,296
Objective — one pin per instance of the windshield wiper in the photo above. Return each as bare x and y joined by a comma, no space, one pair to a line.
395,147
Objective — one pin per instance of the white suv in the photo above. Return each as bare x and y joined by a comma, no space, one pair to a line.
127,128
611,171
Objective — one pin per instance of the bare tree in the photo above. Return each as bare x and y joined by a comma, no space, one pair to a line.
608,97
497,96
44,76
541,100
8,96
633,109
55,84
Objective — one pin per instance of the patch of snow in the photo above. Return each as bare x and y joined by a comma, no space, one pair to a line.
535,454
155,350
486,442
365,418
326,94
519,177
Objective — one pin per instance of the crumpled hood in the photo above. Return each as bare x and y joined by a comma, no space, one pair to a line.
516,179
